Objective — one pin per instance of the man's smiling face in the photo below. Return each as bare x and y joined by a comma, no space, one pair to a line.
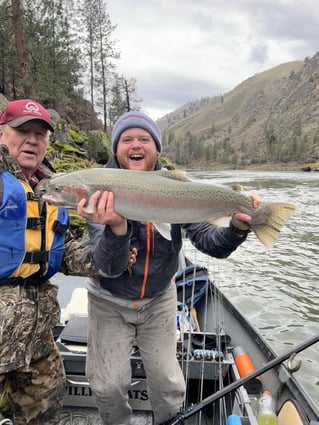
136,150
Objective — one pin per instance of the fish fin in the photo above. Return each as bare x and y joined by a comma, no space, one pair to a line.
221,221
237,187
164,229
89,209
174,174
60,174
268,232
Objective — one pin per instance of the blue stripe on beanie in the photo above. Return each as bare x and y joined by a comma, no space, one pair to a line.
134,119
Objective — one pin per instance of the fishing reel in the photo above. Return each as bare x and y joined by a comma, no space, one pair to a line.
208,355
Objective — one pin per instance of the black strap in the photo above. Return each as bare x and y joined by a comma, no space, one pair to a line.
176,233
36,257
28,281
35,223
31,196
45,259
60,228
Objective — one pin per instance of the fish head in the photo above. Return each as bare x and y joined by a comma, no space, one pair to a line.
61,194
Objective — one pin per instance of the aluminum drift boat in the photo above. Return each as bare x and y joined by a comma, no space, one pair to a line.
212,338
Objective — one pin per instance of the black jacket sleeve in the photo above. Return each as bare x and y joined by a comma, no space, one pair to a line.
110,252
215,241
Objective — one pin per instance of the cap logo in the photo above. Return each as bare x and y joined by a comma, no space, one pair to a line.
32,107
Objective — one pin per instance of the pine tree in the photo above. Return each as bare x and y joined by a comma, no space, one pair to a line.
123,98
21,52
100,53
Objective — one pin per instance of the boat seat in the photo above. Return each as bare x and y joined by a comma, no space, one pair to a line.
75,330
291,413
78,305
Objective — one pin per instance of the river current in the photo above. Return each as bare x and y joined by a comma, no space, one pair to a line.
276,289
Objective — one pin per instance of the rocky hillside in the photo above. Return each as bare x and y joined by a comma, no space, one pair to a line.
270,117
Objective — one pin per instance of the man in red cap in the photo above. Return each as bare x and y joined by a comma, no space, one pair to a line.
32,242
19,112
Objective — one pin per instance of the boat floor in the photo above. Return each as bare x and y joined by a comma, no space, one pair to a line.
89,416
216,314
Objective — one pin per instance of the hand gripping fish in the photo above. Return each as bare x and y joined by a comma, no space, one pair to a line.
164,197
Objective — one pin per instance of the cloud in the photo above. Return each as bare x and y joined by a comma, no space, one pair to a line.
181,50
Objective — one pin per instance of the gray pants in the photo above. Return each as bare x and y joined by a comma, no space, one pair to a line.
111,332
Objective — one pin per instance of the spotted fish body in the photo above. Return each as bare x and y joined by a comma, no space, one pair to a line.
166,197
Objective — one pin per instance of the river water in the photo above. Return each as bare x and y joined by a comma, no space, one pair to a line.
277,289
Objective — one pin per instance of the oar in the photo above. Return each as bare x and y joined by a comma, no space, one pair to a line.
192,410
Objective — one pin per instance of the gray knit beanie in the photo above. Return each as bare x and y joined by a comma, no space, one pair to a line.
135,119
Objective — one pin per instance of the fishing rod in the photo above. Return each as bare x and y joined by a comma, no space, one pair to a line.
192,410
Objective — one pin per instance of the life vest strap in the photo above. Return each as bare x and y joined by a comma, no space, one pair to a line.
28,281
60,228
36,257
31,196
35,223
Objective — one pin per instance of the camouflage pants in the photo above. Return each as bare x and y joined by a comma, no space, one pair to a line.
31,370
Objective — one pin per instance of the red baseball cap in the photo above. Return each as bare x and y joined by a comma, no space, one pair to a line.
17,112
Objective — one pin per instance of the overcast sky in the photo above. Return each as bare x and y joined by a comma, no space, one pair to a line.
182,50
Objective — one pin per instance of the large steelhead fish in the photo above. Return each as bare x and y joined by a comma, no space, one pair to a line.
165,197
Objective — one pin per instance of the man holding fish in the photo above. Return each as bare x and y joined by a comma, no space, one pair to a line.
134,296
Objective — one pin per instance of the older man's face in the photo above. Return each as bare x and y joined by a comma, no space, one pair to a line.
27,144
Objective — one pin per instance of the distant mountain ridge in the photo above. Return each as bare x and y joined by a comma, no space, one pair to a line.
272,116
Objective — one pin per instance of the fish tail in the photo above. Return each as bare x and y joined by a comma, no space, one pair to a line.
278,215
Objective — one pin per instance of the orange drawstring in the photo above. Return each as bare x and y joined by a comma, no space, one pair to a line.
135,304
147,258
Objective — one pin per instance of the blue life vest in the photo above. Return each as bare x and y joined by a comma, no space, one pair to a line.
31,241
